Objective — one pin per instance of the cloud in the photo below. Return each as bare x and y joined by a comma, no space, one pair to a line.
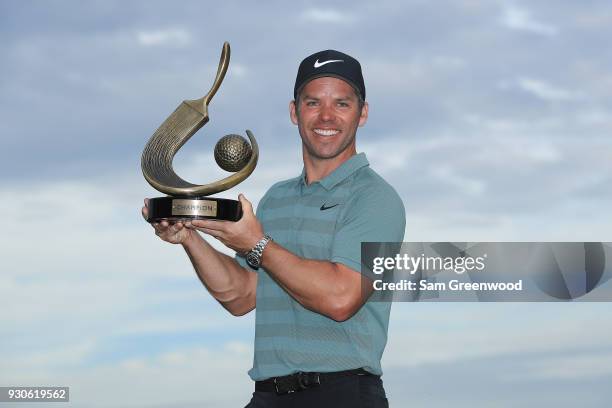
579,366
133,315
471,185
539,88
318,15
593,18
180,376
496,182
175,37
520,19
240,70
595,116
544,90
445,334
93,266
491,382
413,74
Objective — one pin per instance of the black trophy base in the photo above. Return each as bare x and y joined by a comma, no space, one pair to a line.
175,209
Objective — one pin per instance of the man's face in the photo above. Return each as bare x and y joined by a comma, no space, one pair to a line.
327,117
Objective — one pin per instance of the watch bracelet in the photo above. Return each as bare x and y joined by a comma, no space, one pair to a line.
261,245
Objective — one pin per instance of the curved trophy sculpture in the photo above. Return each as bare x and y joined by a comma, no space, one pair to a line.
232,153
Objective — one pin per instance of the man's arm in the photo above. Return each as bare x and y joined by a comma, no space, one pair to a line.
228,282
329,288
232,285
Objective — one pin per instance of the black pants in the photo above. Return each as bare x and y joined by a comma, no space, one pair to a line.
355,391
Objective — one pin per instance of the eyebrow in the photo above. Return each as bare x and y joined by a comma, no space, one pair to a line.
314,98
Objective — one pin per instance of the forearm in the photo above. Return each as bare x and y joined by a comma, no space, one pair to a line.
328,288
325,287
229,283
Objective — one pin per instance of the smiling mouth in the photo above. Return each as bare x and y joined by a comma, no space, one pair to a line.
326,132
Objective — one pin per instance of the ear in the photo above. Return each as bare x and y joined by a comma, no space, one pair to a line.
293,113
363,117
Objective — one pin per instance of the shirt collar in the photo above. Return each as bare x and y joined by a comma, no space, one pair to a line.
341,173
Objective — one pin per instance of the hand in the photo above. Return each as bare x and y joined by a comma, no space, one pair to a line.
176,233
241,236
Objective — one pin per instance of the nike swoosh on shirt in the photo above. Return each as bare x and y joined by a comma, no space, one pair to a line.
323,207
318,64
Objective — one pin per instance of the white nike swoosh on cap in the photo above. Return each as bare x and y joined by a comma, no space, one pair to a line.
318,64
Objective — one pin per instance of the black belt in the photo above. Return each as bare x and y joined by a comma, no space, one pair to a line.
301,381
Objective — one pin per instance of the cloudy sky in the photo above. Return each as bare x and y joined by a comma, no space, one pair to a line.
491,118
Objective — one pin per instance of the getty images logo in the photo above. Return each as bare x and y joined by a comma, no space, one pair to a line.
412,264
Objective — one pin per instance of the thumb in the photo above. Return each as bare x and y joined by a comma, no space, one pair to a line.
246,204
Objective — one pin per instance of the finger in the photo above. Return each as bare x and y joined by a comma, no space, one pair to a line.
145,213
213,233
247,207
158,229
176,227
146,202
212,225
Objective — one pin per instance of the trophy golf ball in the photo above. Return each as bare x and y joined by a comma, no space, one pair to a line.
232,152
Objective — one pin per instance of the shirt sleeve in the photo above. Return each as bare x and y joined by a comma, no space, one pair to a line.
372,215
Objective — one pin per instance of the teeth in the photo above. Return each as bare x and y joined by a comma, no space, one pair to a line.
326,132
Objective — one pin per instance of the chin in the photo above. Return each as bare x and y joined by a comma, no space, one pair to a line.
324,154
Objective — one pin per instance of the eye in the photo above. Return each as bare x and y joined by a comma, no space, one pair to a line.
311,103
343,104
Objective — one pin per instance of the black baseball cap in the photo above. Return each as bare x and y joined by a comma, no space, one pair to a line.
330,63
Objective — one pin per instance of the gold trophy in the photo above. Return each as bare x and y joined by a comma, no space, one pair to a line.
187,201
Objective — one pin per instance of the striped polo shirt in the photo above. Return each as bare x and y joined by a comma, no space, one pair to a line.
326,220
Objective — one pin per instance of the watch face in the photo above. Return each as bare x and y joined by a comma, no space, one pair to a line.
252,259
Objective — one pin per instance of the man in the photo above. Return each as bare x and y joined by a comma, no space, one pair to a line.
318,340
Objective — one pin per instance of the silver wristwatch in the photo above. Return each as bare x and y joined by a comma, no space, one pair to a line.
253,257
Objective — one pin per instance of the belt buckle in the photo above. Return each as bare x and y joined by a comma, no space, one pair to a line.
276,386
282,387
308,380
296,382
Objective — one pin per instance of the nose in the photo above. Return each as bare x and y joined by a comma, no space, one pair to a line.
326,113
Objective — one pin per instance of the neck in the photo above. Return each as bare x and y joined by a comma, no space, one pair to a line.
317,168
